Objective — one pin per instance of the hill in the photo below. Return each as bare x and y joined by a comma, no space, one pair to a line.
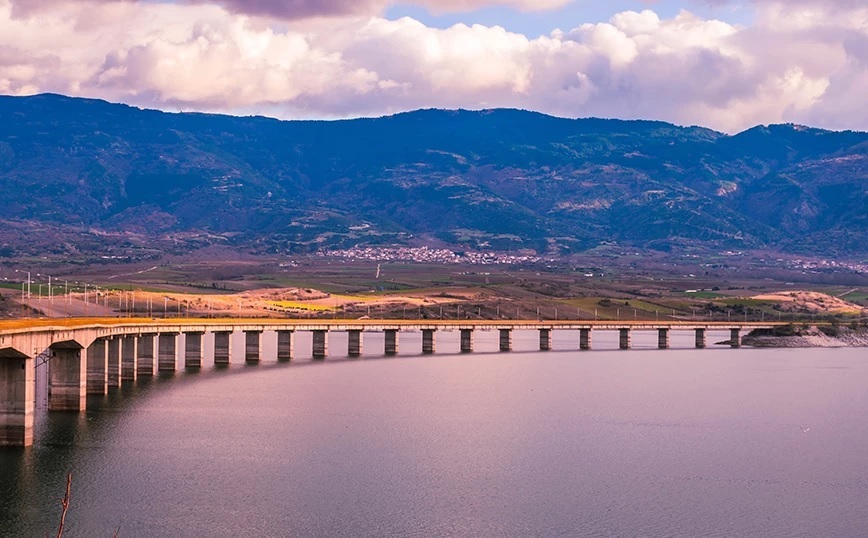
86,177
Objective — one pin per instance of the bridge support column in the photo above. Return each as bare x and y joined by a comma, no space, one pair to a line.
320,344
466,340
700,339
585,339
97,367
128,358
545,339
284,346
114,362
193,350
663,338
167,353
506,339
145,350
221,348
735,338
428,345
354,343
251,347
67,380
624,339
391,342
17,395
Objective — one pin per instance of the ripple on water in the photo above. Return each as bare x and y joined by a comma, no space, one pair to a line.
679,443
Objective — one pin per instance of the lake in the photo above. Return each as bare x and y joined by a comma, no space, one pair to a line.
679,442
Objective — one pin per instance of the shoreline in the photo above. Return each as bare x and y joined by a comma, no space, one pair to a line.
808,337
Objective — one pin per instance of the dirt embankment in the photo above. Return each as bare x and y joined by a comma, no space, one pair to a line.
827,336
809,302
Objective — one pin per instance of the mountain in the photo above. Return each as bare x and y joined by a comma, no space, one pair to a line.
86,177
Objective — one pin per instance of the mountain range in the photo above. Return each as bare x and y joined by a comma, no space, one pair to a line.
87,177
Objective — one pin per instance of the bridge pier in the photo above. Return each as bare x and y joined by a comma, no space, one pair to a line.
700,339
284,346
222,351
193,350
167,353
466,340
391,347
67,380
624,339
428,346
145,350
97,367
663,338
17,396
354,343
545,339
114,362
735,338
506,340
320,344
584,339
128,358
251,346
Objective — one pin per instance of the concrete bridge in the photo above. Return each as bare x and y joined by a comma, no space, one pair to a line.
88,356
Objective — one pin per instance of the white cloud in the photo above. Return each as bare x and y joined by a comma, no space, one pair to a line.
300,9
637,65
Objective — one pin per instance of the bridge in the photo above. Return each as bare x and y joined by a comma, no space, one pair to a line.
90,356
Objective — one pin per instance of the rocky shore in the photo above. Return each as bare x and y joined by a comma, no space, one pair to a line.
812,336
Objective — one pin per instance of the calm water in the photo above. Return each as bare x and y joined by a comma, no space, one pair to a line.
607,443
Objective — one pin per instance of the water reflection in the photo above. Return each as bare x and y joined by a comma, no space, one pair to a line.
645,442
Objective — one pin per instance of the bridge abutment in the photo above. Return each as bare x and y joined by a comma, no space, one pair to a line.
17,397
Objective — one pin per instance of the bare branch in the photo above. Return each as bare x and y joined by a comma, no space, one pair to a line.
65,503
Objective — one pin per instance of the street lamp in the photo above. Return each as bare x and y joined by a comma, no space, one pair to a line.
28,281
50,298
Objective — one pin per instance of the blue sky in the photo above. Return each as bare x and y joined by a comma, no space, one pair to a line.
533,24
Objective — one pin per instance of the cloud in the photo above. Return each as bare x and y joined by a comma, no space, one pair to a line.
683,69
835,4
301,9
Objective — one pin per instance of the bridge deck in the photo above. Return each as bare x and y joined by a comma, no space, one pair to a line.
13,327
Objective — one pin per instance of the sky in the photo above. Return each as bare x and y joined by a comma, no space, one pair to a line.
723,64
